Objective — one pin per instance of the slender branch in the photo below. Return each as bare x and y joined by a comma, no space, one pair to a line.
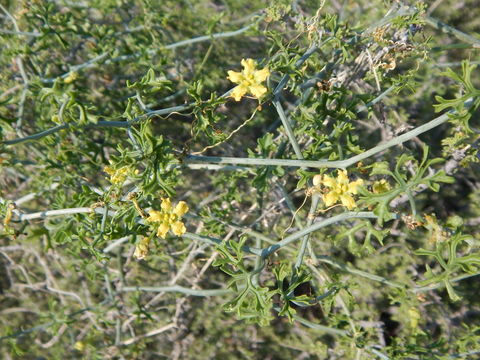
278,106
349,269
214,241
179,289
149,334
311,217
99,124
309,229
377,99
442,284
288,128
447,29
342,164
26,33
172,46
298,63
312,325
60,212
378,353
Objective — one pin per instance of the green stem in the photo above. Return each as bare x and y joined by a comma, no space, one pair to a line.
214,241
447,29
179,289
99,124
186,42
442,283
281,113
348,269
309,229
338,164
311,217
312,325
288,128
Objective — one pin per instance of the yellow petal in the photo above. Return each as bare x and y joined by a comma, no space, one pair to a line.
155,216
329,181
248,66
238,92
261,75
330,198
257,90
109,170
342,176
162,230
181,209
347,201
178,228
352,187
166,205
235,77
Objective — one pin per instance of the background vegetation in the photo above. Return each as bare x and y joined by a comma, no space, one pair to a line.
109,108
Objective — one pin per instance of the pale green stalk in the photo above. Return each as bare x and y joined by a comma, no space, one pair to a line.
321,224
447,29
310,219
179,289
338,164
349,269
178,44
442,283
312,325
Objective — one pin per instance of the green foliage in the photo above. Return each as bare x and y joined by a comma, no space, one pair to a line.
408,174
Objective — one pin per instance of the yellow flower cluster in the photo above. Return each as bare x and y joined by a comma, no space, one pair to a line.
249,80
118,176
169,218
340,189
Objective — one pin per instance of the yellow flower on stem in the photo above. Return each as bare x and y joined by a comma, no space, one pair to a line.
117,176
71,77
249,80
169,218
340,189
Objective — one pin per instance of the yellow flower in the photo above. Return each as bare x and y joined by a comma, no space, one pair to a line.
71,77
142,248
340,189
79,346
169,218
249,80
381,186
117,176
